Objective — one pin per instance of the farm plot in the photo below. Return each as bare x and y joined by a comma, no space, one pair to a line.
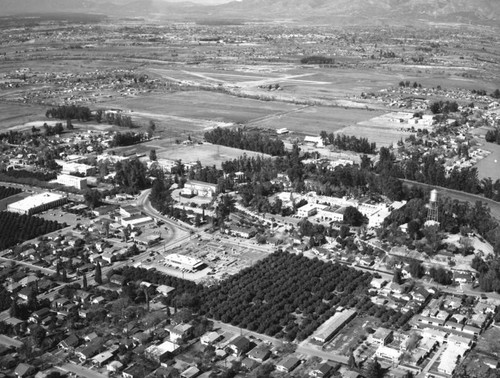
289,296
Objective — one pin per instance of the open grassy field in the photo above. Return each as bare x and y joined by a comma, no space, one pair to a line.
199,109
312,120
13,114
208,154
490,165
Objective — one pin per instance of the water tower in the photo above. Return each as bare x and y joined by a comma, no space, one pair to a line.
432,209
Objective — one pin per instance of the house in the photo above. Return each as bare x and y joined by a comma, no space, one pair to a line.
463,277
162,352
323,370
60,302
210,338
164,289
39,315
190,372
136,371
69,343
91,336
260,353
391,354
102,358
141,338
420,294
239,346
89,351
288,364
382,336
117,279
249,364
114,366
24,294
24,370
181,332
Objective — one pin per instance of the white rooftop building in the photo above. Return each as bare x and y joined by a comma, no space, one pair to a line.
183,262
37,203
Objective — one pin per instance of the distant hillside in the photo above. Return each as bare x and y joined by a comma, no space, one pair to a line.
370,11
314,11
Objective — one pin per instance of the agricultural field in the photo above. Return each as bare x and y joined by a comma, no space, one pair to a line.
16,228
290,296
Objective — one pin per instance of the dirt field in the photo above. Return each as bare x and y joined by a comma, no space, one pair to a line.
490,166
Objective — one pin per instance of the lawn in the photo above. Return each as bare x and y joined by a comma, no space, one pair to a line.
490,165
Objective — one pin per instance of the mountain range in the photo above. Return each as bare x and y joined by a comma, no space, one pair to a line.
313,11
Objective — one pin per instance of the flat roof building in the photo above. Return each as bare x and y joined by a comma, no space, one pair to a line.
333,325
37,203
72,181
161,352
183,262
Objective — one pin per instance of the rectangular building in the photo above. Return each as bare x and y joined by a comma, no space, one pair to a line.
37,203
183,262
333,325
72,181
200,188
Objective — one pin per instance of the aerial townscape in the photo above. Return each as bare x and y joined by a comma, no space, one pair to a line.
249,188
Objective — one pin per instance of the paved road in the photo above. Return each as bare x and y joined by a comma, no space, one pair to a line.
82,371
29,265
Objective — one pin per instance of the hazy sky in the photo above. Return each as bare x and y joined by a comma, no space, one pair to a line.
205,2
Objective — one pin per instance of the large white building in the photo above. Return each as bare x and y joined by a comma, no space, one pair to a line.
307,210
72,181
37,203
200,188
69,167
183,262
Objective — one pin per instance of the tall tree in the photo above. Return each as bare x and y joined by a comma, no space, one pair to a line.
98,274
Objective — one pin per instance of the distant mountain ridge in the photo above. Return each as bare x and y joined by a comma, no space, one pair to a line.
314,11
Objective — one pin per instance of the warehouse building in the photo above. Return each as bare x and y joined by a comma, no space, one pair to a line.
37,203
333,325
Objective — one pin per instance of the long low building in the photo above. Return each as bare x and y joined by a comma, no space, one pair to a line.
37,203
183,262
333,325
